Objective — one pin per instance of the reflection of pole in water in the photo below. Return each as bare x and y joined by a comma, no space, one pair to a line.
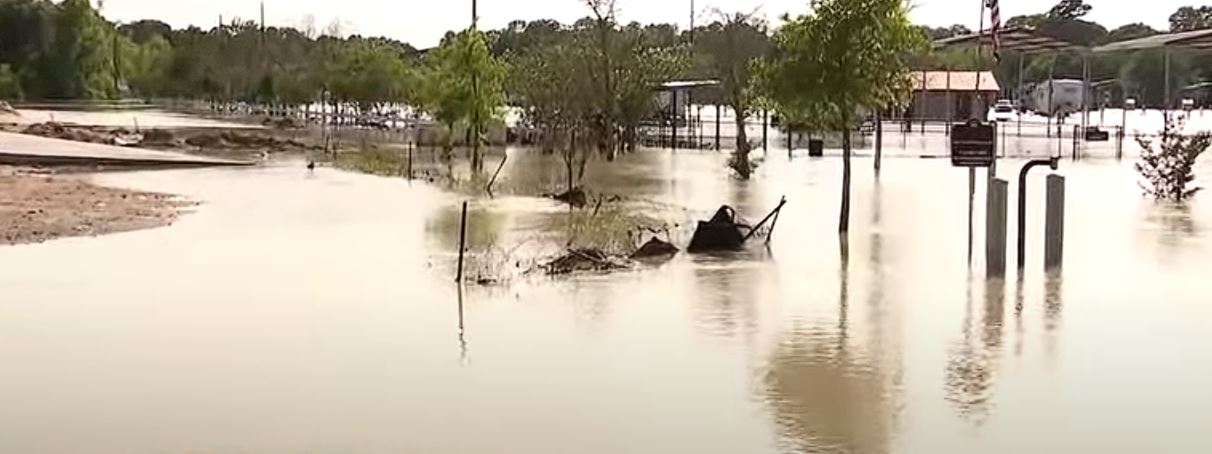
1018,317
971,209
462,330
1053,308
972,368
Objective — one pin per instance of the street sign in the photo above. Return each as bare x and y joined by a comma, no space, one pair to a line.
973,144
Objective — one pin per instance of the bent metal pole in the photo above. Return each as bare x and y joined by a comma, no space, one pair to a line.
1053,163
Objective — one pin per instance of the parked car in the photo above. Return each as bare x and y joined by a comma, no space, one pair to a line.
1003,110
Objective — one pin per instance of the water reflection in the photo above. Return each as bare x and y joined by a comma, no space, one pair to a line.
972,366
1053,310
727,283
828,398
462,330
1174,225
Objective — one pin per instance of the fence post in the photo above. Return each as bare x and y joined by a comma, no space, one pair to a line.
995,229
1054,224
462,242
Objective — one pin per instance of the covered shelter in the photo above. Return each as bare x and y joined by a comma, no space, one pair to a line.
1197,40
952,95
674,99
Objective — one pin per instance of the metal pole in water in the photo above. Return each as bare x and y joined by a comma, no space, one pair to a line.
462,242
1022,207
971,208
717,127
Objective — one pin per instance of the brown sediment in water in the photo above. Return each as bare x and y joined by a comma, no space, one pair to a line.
37,207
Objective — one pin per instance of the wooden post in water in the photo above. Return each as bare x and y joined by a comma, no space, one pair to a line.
879,139
1054,224
462,243
995,229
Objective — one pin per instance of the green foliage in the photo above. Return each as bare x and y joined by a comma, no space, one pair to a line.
1131,31
1190,18
81,58
730,50
1069,10
846,55
1168,168
10,87
146,65
463,82
368,74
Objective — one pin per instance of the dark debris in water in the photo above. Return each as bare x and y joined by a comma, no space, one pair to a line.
585,260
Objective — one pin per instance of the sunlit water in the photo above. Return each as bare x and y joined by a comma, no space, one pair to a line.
317,313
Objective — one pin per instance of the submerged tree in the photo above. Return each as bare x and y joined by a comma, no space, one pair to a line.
844,57
731,47
1167,166
464,83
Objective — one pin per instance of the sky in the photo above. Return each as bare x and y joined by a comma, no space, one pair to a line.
423,22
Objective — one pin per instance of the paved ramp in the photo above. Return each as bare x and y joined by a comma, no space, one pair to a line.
22,149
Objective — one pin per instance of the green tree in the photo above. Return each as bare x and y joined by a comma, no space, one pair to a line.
1131,31
1069,10
464,82
845,56
80,64
146,65
1189,18
10,87
731,47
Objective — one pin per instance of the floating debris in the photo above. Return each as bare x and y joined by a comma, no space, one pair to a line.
655,248
583,260
728,232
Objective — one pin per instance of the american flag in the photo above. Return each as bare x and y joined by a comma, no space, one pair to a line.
995,27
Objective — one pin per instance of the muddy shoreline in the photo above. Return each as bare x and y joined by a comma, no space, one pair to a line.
38,206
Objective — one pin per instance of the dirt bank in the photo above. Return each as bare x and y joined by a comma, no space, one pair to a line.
225,142
37,207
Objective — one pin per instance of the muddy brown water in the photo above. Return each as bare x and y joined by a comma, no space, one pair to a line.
317,313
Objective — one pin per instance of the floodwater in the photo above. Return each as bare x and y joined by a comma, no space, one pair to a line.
317,313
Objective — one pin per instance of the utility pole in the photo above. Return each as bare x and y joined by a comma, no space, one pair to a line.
691,21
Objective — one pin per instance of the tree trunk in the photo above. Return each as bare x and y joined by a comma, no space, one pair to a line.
879,140
740,157
844,219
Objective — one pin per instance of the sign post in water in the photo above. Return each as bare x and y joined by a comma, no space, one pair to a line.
973,144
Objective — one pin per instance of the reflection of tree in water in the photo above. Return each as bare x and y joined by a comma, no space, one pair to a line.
485,228
1175,225
972,365
727,284
827,398
828,395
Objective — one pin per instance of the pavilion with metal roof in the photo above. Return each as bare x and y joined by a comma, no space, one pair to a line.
1196,40
1026,40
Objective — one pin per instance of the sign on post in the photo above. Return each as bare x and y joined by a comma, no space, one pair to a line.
973,144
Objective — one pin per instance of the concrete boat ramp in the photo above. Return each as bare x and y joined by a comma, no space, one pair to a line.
22,149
